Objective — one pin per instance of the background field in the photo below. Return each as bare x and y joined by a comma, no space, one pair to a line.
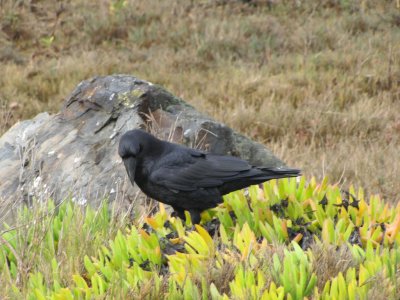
318,82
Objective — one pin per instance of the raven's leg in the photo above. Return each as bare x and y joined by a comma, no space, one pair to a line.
195,216
179,212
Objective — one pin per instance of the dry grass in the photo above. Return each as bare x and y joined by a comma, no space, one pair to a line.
382,288
329,261
317,82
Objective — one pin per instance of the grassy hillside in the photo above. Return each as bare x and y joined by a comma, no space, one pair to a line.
316,81
287,240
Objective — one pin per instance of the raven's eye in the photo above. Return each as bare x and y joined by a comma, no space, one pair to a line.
127,155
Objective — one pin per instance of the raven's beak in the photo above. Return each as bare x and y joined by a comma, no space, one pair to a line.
130,165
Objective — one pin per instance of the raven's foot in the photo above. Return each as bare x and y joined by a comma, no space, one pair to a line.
179,213
195,216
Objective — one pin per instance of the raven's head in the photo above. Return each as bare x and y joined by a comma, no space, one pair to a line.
130,149
137,145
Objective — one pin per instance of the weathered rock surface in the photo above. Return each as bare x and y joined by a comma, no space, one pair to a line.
74,153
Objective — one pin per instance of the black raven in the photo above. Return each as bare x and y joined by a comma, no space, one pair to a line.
185,178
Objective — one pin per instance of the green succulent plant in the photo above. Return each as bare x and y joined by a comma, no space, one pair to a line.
256,245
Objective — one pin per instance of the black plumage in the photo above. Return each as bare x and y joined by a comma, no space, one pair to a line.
185,178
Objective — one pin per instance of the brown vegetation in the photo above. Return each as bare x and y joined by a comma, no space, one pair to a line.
317,81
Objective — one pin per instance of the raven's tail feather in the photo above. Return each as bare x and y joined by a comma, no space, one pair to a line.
280,172
256,176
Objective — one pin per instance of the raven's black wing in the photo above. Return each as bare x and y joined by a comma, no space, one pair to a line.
192,170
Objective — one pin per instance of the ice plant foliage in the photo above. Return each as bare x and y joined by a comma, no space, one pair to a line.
257,245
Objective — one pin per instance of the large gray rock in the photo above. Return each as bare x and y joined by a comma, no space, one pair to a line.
74,153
